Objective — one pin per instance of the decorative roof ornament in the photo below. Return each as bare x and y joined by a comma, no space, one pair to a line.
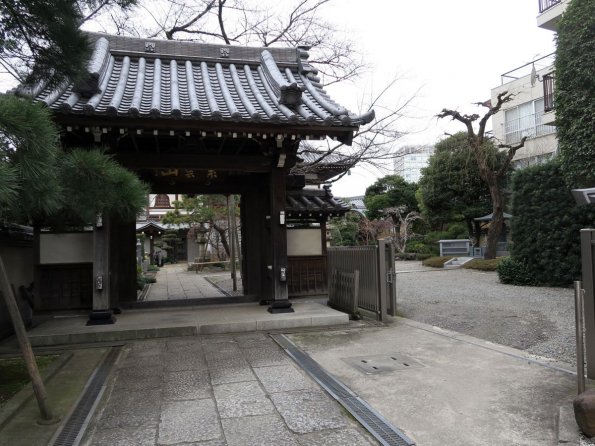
288,93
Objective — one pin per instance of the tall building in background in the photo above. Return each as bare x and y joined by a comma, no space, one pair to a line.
531,111
410,160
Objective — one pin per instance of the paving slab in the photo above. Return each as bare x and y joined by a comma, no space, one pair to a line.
308,410
231,374
188,421
264,430
242,399
282,378
338,437
187,385
131,409
141,435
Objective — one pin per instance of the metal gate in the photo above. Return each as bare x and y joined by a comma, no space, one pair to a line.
376,293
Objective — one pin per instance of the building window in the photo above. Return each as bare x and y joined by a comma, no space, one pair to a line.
162,201
526,120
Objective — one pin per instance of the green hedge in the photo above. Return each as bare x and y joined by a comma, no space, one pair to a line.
514,272
483,265
546,225
437,262
575,92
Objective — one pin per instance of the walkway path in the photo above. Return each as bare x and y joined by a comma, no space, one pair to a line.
174,282
217,391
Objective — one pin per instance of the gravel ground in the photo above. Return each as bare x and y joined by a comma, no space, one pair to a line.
539,320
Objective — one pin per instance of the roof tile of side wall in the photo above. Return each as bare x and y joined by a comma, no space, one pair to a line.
144,78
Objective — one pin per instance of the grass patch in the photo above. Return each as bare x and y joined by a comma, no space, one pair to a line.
483,265
437,262
14,376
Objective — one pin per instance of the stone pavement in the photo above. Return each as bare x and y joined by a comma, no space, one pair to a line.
216,391
175,282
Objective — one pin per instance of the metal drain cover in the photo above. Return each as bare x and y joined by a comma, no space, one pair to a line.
371,365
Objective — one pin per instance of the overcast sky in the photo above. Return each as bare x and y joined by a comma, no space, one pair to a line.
455,51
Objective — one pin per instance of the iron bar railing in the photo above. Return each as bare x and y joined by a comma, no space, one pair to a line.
544,5
548,92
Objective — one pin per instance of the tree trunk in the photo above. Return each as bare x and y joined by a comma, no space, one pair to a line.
25,345
221,232
497,220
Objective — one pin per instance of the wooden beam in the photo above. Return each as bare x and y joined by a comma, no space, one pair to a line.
254,164
313,130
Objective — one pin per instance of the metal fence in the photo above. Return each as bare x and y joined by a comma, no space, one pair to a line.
588,273
548,92
376,296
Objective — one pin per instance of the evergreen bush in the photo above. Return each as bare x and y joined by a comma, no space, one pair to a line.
546,225
514,272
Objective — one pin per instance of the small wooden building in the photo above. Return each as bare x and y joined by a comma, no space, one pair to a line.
207,119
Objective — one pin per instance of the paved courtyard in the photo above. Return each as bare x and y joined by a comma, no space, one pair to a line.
175,282
216,391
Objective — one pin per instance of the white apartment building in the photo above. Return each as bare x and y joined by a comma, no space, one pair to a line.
410,160
530,113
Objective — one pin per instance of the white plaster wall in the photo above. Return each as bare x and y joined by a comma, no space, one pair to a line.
18,261
304,242
66,248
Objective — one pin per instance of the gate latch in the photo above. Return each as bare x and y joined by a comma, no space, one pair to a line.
389,276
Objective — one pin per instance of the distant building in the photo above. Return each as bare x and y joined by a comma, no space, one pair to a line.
410,160
530,113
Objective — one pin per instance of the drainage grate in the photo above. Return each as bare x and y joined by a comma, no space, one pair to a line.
73,429
378,426
372,365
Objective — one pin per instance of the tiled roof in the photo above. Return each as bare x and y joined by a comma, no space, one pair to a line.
147,78
308,203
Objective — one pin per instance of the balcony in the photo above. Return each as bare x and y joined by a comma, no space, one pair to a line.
548,92
531,126
544,5
549,116
550,12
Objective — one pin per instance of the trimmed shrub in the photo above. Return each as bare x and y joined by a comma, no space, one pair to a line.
421,256
437,262
513,272
483,265
546,225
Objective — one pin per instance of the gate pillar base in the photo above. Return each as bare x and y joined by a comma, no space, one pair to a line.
101,317
280,306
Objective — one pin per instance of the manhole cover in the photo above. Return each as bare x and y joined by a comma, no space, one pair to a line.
382,363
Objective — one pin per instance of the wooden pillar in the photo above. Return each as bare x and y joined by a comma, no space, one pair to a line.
252,215
277,225
101,312
122,263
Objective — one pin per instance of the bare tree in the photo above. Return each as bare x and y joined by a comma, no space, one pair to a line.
373,145
247,22
403,225
491,173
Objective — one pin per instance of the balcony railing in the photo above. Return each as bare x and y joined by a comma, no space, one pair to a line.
544,5
548,92
530,126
